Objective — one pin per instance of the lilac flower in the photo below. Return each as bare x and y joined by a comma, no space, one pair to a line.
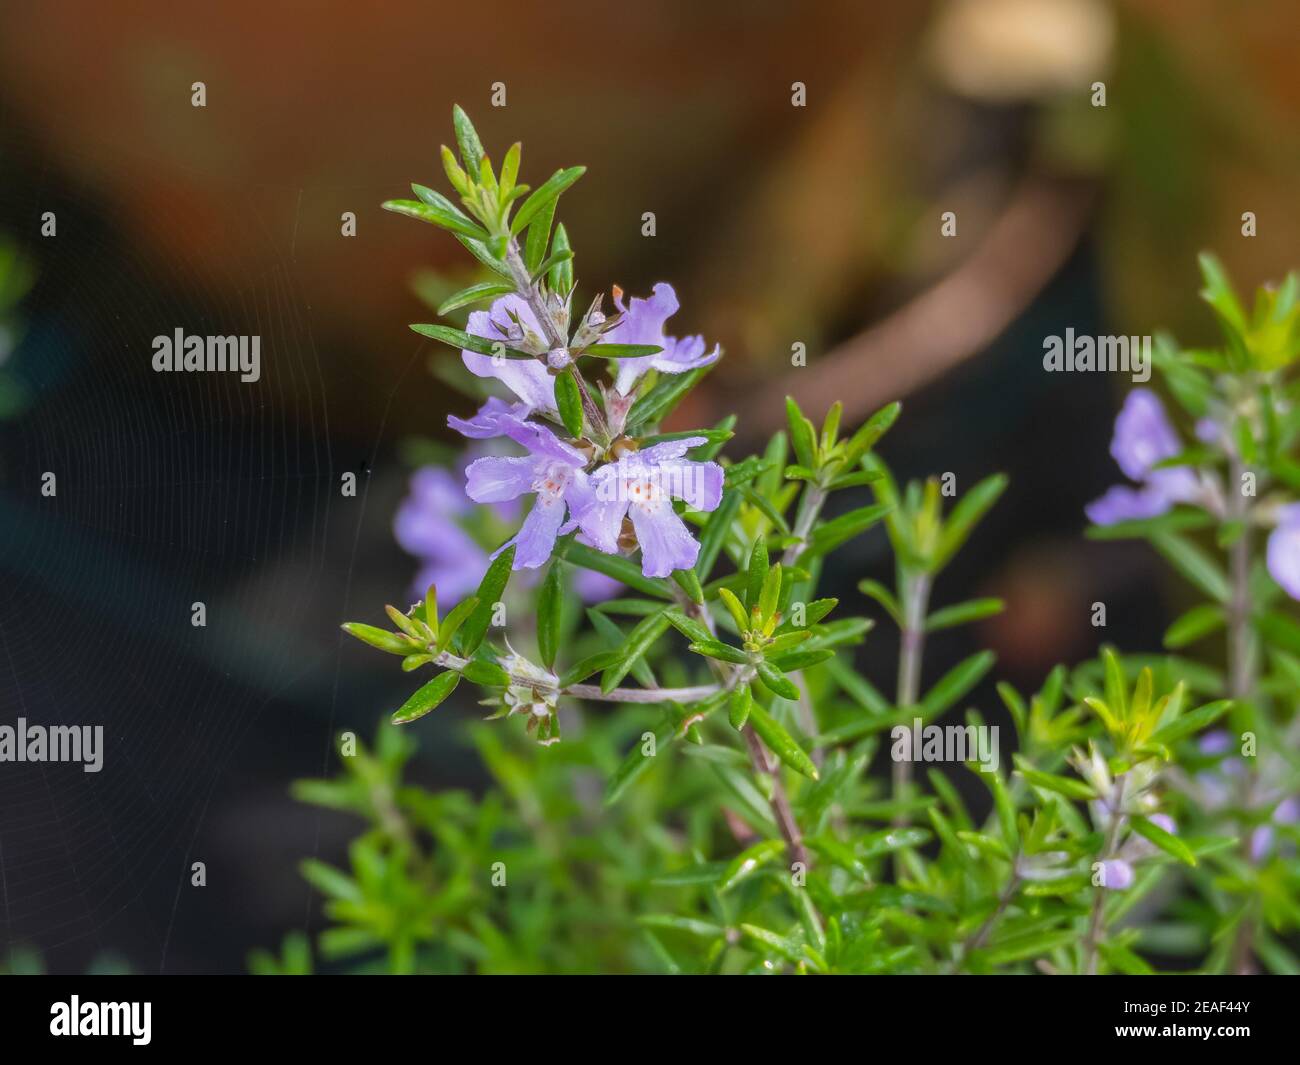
426,525
593,587
433,524
512,322
552,470
641,486
643,323
1287,812
1143,437
1117,873
491,420
1284,550
1219,788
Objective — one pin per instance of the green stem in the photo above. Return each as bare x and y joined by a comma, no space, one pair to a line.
977,940
1241,681
1096,922
915,589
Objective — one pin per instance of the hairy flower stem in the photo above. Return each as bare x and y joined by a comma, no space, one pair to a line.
556,337
1241,678
593,692
641,695
915,604
810,508
1096,922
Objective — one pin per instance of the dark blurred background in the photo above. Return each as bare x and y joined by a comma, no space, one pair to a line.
777,224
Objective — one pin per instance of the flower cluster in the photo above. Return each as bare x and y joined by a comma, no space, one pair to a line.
617,495
1148,450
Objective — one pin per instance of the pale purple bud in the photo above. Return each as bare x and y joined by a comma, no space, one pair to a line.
1116,875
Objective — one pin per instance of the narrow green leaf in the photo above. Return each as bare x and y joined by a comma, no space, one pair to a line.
954,684
489,593
622,351
559,257
1195,623
714,533
550,604
384,640
481,252
590,665
872,430
471,148
436,216
748,862
688,627
689,583
458,338
561,275
485,290
963,613
739,706
797,660
719,650
966,515
658,403
831,534
1191,722
757,573
1116,689
776,682
780,742
770,592
639,641
884,597
1194,564
1067,786
452,622
488,674
840,854
545,195
539,237
568,401
436,199
427,698
802,436
431,607
1166,841
735,608
689,925
616,566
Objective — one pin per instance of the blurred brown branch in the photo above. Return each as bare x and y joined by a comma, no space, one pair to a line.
948,322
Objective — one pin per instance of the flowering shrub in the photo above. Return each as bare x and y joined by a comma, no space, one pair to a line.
715,701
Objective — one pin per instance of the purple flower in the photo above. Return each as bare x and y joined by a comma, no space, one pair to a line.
643,323
552,471
426,525
1284,550
429,525
1116,874
491,420
593,587
641,486
1287,812
1144,437
512,322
